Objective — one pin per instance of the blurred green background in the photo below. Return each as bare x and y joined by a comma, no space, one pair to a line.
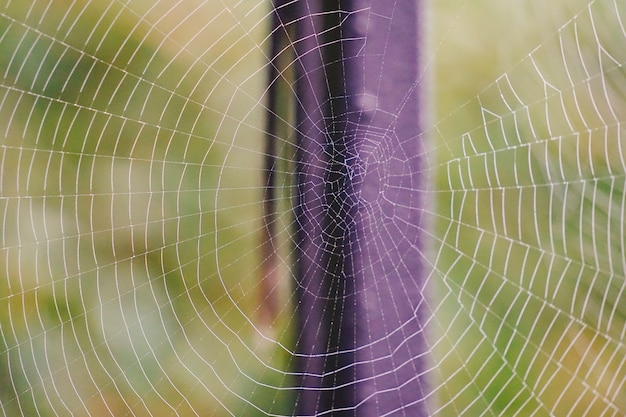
530,190
131,189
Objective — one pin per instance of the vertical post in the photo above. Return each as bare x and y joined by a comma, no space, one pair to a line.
360,271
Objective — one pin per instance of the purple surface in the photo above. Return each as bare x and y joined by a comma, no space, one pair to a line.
360,272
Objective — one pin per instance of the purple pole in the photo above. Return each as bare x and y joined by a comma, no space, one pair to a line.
360,273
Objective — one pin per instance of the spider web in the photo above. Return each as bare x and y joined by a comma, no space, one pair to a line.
135,261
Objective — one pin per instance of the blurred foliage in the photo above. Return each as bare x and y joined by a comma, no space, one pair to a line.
531,186
121,263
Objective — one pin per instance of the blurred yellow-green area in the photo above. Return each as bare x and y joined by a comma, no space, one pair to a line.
531,184
129,283
131,148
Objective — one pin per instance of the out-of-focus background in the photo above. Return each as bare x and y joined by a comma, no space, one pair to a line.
132,135
530,218
131,148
